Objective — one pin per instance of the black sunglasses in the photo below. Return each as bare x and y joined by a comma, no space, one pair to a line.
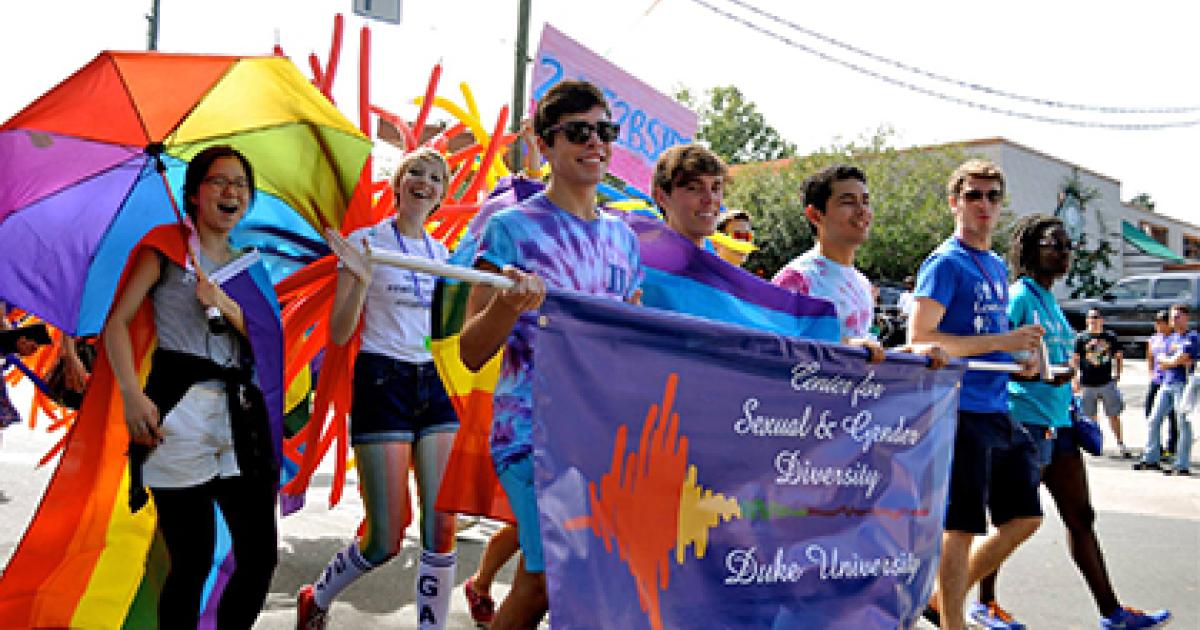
580,131
993,196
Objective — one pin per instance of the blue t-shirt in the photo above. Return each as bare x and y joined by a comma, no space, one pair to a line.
598,257
1176,342
1035,402
972,285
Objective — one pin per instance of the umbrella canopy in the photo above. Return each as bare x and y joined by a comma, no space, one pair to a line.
79,187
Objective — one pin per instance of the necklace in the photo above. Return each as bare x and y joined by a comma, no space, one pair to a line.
416,281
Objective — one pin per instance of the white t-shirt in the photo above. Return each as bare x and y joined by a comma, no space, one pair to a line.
396,313
848,289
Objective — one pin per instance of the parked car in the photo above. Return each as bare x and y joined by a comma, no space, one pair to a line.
1129,305
890,323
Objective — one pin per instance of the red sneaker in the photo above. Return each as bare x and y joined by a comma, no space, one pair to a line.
483,609
309,615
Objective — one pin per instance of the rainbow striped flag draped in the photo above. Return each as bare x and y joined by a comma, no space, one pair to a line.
469,485
86,560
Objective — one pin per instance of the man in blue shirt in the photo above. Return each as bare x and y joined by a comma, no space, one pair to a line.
961,304
1182,349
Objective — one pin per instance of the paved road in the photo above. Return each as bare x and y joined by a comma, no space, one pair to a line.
1149,527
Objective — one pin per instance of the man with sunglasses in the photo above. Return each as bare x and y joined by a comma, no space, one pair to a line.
961,304
1098,361
556,238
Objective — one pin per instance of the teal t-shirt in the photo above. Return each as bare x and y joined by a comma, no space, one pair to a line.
1037,403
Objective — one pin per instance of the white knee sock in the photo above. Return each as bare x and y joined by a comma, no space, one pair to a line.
435,583
345,567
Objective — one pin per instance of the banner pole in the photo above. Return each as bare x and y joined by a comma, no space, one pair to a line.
465,274
436,268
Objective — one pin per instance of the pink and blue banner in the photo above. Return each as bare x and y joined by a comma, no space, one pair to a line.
692,474
650,120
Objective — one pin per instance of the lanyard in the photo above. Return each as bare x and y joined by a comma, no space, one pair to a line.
416,283
1034,289
1051,317
978,263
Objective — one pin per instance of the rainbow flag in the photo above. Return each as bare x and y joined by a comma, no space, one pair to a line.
469,485
86,560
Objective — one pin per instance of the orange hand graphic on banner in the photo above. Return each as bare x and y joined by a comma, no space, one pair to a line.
638,500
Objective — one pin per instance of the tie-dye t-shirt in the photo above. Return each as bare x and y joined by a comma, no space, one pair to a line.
850,291
598,257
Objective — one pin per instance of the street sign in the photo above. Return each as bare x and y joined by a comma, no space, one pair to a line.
383,10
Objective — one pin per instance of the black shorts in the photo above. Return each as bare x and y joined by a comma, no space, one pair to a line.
397,401
994,468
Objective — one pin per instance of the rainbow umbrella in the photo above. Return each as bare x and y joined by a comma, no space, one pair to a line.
95,163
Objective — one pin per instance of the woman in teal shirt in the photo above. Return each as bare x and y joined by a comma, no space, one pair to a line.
1041,254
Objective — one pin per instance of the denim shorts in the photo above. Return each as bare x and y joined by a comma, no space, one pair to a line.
397,401
1044,441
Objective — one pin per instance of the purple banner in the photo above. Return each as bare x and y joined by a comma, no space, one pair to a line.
698,475
650,120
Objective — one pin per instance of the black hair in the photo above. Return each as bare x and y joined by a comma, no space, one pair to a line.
1023,250
198,167
566,97
819,187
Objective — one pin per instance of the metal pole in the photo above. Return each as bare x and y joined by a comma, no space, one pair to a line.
152,18
521,61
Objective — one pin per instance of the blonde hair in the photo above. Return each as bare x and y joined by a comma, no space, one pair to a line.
423,154
983,169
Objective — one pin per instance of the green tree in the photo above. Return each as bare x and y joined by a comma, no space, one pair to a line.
733,127
1084,277
908,196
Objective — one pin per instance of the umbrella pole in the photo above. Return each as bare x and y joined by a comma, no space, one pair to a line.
155,151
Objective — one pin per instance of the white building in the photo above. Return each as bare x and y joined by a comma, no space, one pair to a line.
1143,241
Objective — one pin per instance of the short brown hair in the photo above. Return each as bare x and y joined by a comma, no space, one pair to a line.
983,169
682,163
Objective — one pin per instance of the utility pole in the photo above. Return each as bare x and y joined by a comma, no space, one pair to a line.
522,60
152,18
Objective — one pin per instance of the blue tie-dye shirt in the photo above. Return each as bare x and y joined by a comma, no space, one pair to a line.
598,257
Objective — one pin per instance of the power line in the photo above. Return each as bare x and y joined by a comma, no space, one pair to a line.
959,83
942,95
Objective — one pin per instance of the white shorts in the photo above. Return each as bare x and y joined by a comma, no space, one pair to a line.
197,441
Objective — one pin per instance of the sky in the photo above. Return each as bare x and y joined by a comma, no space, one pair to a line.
1096,54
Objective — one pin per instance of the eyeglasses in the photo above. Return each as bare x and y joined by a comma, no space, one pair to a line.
580,131
1058,246
742,235
222,182
1095,317
993,196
